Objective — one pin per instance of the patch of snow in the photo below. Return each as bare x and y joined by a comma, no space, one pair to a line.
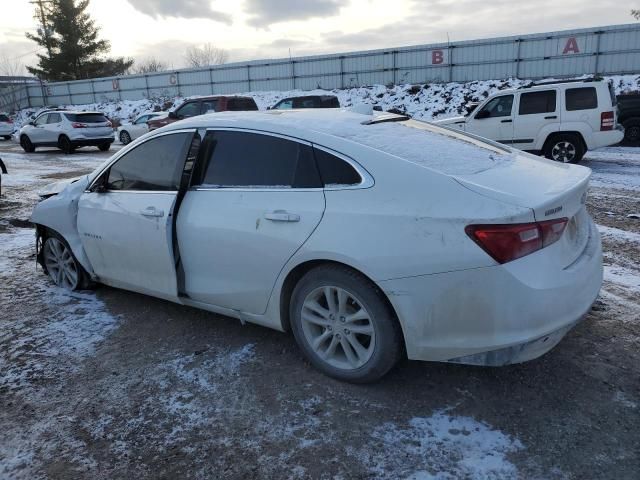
623,277
619,235
623,400
443,447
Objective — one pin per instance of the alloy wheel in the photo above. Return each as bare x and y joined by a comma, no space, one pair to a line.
125,138
60,264
338,328
563,152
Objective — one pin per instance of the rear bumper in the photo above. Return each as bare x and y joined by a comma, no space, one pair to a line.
91,142
606,138
496,315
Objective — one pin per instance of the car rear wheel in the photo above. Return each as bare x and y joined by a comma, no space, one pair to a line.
125,138
27,146
632,131
565,149
104,147
344,326
61,265
65,145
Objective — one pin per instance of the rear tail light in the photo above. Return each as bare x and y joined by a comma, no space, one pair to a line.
511,241
606,121
79,125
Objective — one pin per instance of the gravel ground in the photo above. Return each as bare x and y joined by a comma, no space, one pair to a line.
111,384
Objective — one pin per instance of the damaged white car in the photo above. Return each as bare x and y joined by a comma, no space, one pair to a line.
370,237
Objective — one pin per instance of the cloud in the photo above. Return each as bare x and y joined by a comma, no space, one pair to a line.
265,12
180,9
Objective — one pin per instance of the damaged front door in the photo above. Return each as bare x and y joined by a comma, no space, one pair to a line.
125,221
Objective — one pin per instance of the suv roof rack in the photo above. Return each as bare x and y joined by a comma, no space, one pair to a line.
568,80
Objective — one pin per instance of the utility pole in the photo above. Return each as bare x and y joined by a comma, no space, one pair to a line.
41,15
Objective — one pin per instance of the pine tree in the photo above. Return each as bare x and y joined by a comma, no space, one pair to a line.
70,37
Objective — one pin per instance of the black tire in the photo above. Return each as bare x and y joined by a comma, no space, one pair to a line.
388,347
125,138
84,281
27,146
104,147
632,132
65,145
565,147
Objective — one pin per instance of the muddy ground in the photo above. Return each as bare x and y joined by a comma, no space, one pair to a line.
111,384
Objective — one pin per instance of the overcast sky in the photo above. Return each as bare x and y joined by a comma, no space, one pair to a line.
251,29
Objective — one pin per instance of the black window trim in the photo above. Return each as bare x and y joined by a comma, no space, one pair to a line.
366,179
99,177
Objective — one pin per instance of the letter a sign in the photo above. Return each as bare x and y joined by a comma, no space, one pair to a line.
571,46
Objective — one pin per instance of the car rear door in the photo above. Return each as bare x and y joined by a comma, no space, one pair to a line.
538,116
254,201
125,221
494,120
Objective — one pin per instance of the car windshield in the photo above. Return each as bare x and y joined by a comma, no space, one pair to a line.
86,117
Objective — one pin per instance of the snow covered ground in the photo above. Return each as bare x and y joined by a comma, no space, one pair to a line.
110,384
422,101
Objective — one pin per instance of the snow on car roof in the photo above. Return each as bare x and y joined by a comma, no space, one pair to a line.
424,144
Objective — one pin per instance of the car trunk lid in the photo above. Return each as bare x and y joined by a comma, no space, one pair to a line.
551,190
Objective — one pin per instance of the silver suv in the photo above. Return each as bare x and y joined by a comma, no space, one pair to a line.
67,130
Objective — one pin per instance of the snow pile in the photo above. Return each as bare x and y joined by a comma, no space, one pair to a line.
442,447
422,101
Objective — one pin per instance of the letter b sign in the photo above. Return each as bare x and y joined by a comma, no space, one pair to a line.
437,57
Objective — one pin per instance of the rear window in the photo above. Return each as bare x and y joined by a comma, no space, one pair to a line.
241,104
581,98
537,102
86,117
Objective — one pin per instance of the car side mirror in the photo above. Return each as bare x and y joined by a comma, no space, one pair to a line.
33,124
173,115
482,114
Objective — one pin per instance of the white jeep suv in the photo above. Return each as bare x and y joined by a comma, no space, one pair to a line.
67,130
560,120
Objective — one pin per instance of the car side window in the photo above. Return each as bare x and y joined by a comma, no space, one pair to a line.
54,118
156,164
335,171
241,104
142,120
190,109
209,106
42,119
498,107
243,159
537,102
581,98
285,105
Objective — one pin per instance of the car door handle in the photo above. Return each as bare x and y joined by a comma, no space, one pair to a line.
282,216
550,117
152,212
506,121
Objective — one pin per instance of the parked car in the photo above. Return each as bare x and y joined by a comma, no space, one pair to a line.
308,101
560,120
67,130
629,117
6,126
128,132
370,237
201,105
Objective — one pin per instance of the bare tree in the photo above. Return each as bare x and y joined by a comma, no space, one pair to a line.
150,65
14,90
636,14
205,55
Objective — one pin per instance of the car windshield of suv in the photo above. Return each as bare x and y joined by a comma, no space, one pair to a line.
86,117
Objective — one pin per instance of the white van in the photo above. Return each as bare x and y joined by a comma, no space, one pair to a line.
560,120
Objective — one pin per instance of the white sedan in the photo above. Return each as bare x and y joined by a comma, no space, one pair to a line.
369,237
130,131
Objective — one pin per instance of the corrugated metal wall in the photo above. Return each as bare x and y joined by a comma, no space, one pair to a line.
603,50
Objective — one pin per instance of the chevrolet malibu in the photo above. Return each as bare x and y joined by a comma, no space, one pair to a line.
369,237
